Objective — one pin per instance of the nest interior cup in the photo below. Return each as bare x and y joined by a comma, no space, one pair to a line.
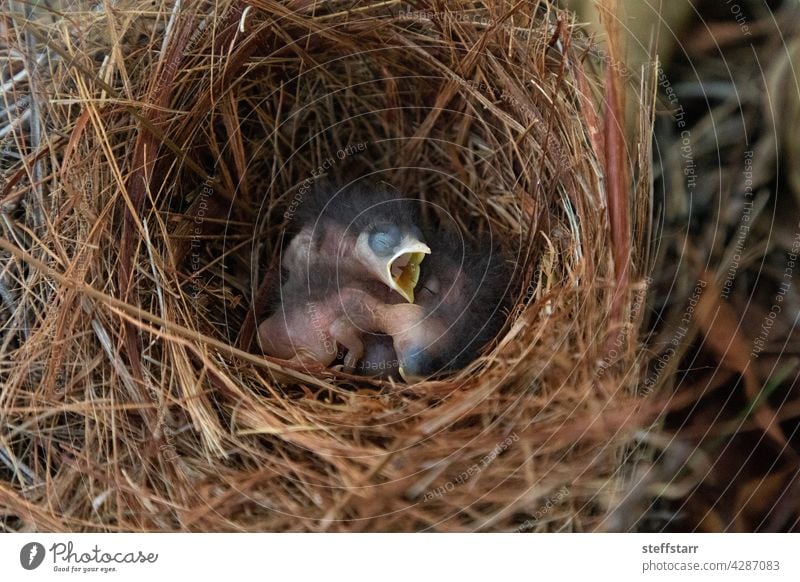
489,115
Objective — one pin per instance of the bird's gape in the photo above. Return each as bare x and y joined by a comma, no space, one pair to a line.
405,271
393,255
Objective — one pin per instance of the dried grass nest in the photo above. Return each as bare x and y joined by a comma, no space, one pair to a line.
172,143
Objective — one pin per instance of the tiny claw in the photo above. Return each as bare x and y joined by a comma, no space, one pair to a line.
350,362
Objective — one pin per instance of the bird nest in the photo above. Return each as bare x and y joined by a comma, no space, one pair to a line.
140,239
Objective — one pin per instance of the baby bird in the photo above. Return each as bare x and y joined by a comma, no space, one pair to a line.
461,296
367,230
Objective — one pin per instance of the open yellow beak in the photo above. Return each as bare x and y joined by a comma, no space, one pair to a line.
402,270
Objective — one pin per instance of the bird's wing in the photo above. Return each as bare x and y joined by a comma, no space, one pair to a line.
298,256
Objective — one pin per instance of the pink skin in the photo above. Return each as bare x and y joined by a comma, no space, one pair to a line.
301,253
314,332
412,329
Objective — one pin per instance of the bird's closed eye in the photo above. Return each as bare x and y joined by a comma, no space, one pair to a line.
431,285
384,239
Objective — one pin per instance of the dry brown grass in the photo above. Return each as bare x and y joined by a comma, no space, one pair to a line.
146,211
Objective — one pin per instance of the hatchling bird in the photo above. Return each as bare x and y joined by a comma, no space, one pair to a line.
461,303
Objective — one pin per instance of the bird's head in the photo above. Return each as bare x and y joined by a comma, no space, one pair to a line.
371,228
393,253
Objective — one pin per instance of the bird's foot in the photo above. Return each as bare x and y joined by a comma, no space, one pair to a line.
347,335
